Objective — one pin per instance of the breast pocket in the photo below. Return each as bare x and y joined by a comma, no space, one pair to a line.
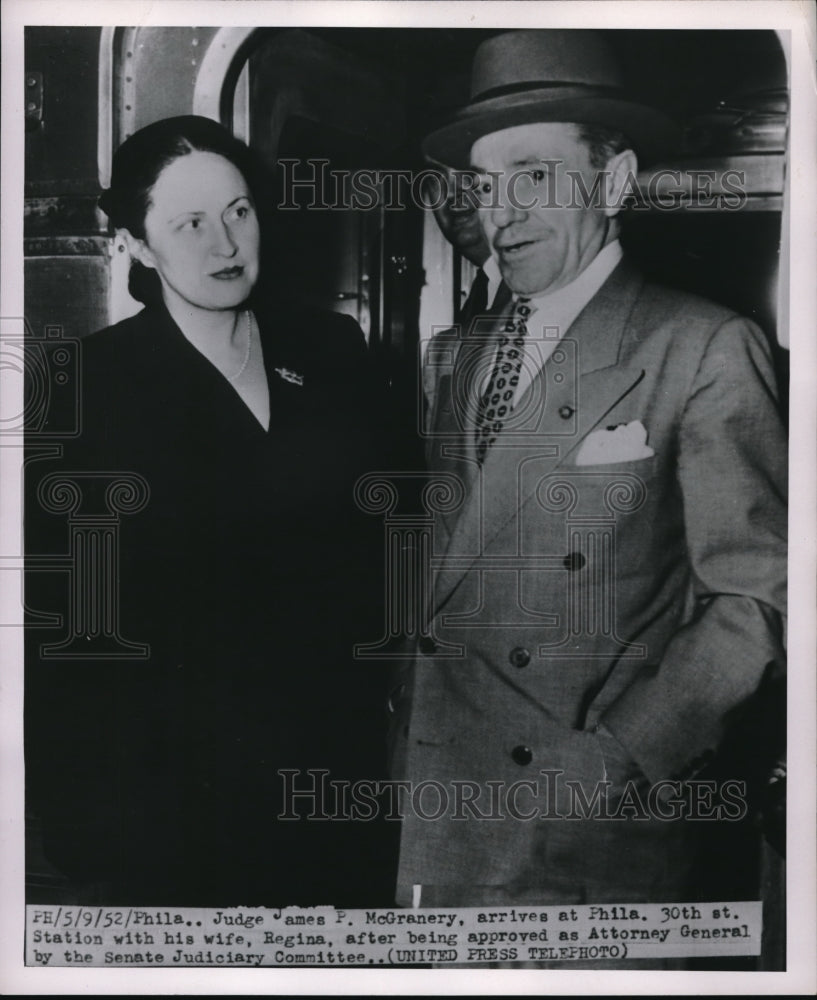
643,467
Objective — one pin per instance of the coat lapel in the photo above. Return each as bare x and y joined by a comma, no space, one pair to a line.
456,401
592,381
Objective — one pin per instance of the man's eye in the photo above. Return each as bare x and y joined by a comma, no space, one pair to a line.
485,187
536,175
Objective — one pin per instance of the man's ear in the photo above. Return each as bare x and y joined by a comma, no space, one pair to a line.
138,249
620,175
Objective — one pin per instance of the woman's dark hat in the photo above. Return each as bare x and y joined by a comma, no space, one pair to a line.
520,77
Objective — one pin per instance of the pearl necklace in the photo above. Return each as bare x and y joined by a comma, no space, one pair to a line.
242,369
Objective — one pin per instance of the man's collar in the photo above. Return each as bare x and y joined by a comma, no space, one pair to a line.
564,305
581,290
494,276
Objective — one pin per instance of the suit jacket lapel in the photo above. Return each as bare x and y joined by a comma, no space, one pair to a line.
458,396
593,382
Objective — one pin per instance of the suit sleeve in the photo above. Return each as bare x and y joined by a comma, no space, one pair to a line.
732,474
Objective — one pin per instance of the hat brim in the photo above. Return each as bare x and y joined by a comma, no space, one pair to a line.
653,134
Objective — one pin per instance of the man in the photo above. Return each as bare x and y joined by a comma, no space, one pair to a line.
607,605
454,204
449,194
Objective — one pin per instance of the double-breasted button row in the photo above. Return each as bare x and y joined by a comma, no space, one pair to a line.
522,755
574,561
428,647
566,412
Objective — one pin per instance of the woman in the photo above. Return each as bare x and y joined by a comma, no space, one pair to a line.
247,573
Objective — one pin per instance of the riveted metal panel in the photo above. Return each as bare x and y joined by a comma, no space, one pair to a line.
158,68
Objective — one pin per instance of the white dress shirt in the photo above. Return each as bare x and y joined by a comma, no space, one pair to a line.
494,276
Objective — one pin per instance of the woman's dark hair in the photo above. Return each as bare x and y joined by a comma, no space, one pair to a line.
137,165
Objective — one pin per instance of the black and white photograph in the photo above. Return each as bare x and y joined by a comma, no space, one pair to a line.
408,522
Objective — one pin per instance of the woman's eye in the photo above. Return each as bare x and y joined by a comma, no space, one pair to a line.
191,224
240,212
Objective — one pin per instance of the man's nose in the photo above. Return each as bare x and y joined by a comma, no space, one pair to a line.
506,209
224,244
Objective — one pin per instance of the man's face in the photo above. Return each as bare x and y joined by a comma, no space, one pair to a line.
543,247
457,216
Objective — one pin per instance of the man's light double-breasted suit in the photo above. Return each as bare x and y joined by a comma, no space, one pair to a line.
608,597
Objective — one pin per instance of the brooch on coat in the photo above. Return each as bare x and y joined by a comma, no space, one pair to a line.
289,376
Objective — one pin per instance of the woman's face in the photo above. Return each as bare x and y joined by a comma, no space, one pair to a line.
201,233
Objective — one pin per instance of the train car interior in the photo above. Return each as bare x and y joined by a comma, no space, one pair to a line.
362,99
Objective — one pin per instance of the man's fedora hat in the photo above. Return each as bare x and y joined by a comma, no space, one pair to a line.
556,75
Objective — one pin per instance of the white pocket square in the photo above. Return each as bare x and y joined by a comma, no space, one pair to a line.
619,443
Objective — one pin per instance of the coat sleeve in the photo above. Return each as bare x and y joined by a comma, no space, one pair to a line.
732,475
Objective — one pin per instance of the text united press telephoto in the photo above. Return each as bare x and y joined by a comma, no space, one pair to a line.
405,497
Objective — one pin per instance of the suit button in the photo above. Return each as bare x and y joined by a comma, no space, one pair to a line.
519,657
522,755
574,561
566,412
427,646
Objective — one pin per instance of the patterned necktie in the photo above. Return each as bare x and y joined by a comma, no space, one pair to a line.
497,401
